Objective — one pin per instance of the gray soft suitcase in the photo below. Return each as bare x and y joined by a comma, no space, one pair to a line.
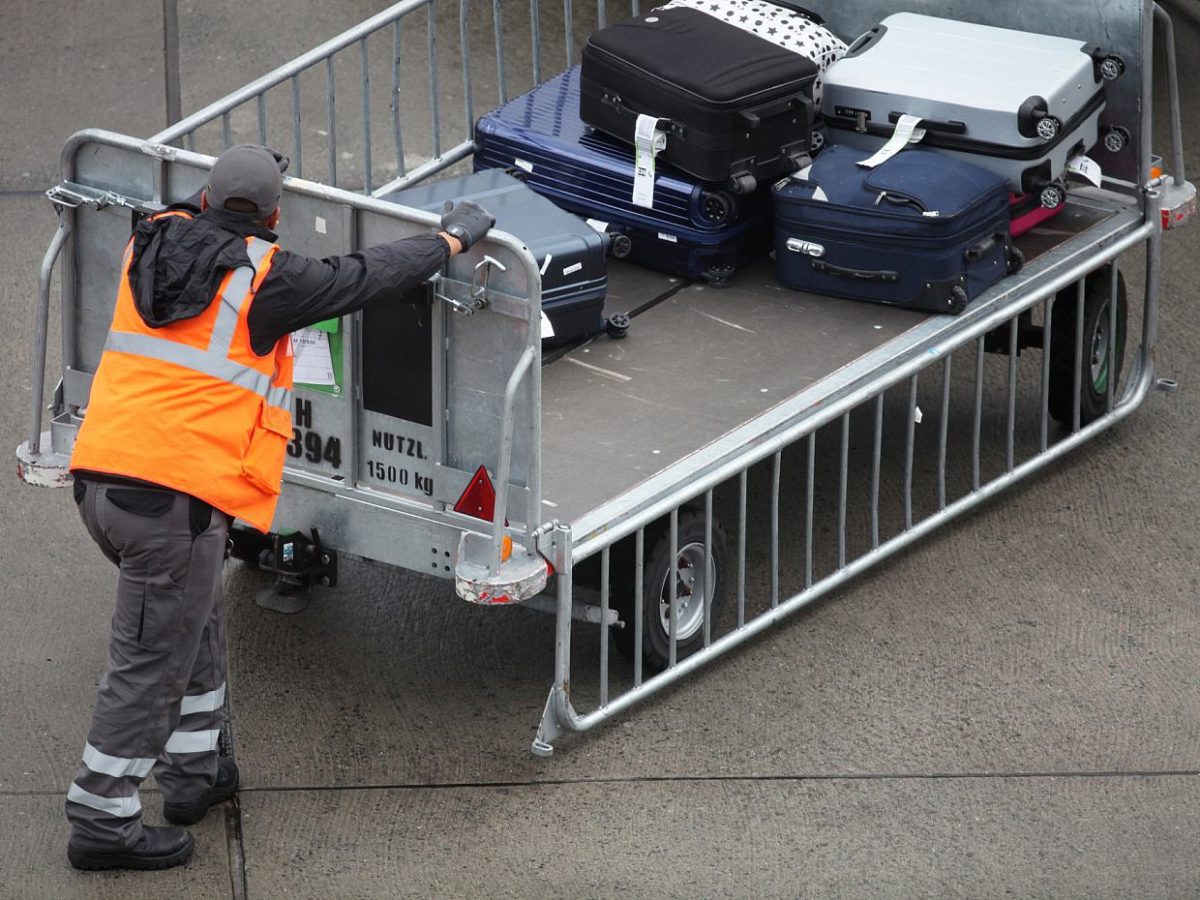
1017,103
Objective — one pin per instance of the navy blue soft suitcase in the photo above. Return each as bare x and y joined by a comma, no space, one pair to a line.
695,229
571,254
920,230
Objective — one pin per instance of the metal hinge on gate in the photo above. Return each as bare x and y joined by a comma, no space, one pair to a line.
72,196
478,291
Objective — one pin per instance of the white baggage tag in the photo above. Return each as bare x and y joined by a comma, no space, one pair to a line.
547,328
648,141
1086,168
906,133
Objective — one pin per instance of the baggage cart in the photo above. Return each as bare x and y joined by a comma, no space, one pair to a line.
742,453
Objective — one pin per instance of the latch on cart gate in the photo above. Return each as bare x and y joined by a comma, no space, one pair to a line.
479,288
68,195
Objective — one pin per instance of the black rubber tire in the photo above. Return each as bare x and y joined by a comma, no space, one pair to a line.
716,207
1093,393
720,275
1016,260
745,183
656,646
617,326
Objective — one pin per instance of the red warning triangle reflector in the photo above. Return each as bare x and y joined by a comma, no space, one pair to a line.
479,498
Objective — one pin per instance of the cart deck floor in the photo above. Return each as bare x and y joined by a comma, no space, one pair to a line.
702,361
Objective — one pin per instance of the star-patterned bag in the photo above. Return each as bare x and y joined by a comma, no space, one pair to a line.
792,28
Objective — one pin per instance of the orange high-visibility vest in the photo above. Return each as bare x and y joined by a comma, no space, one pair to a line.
190,406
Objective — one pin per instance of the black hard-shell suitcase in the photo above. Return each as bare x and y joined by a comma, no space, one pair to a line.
920,230
733,106
695,229
572,254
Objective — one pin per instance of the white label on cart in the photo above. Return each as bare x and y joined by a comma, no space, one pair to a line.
523,164
574,267
313,363
917,416
906,133
648,141
320,225
599,226
663,236
1086,168
547,328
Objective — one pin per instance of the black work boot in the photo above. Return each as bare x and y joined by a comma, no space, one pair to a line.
159,847
191,813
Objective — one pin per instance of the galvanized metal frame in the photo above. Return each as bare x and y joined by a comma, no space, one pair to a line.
384,522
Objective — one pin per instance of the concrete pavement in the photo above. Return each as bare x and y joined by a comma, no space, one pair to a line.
1011,708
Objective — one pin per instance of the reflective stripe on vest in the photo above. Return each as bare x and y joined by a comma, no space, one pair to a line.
214,361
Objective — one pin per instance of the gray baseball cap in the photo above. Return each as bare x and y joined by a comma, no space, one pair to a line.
247,172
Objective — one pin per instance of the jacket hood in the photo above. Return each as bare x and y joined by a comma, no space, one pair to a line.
178,263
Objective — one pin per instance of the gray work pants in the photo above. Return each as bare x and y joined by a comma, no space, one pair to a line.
161,700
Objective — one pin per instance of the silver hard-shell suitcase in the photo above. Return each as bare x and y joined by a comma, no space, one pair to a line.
1017,103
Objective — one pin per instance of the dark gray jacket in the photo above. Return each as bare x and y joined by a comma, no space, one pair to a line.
178,263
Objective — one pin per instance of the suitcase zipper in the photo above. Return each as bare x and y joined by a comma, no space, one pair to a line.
944,141
905,200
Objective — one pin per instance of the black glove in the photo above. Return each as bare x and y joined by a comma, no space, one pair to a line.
280,160
467,221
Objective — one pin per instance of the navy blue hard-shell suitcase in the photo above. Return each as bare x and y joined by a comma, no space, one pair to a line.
694,229
572,255
921,230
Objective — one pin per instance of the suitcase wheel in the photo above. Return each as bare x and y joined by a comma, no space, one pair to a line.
743,183
620,245
1112,68
1048,128
1016,260
617,326
720,275
958,299
1053,195
1116,139
716,206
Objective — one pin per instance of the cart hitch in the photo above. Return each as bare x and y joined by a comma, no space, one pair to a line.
297,561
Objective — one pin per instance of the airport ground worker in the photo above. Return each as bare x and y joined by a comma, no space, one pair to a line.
186,429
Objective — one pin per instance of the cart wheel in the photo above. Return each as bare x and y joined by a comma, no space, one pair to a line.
1096,365
621,246
695,581
617,326
719,276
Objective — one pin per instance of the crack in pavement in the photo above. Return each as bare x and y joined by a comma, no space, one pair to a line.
679,779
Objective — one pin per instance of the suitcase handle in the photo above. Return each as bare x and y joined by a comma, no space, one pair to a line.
755,114
1014,259
864,41
825,268
951,127
668,125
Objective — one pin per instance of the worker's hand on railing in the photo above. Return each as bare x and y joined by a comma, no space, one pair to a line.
466,221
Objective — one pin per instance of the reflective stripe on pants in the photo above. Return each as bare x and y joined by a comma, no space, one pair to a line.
166,654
